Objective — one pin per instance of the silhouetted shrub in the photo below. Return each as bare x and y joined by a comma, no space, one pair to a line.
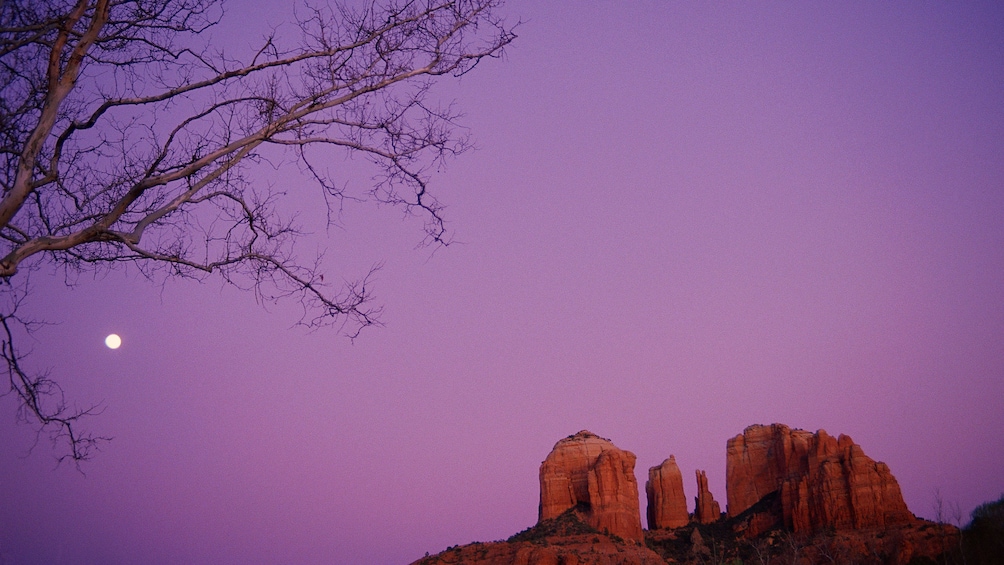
983,538
567,524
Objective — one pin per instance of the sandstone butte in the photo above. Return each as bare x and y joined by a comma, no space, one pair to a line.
667,505
846,507
818,481
706,508
590,474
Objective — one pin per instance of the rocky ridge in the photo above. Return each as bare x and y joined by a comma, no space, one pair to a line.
825,483
793,496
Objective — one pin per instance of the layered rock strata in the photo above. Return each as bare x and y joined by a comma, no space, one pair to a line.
850,503
667,505
824,482
706,508
759,460
590,474
842,489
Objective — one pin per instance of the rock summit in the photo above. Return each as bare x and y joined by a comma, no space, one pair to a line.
591,475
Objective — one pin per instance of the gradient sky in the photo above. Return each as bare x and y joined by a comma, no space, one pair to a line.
682,219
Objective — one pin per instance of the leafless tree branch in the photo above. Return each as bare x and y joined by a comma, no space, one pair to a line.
124,138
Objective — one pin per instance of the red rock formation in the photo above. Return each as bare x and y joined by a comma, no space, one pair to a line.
667,505
562,550
758,460
590,474
706,508
850,506
824,483
843,489
893,545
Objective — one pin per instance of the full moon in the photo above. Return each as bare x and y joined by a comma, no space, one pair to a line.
113,341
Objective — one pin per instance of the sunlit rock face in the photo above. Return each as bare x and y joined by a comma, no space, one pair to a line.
843,489
806,483
590,474
759,460
667,505
824,483
706,508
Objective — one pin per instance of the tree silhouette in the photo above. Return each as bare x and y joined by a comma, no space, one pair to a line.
125,138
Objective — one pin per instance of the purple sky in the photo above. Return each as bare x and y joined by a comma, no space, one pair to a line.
682,219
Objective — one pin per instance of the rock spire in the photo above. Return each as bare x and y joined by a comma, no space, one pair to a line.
706,508
667,505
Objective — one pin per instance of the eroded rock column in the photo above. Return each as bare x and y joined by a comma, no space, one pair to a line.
667,505
592,475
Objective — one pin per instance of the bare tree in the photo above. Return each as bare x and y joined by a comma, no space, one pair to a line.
761,550
125,138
